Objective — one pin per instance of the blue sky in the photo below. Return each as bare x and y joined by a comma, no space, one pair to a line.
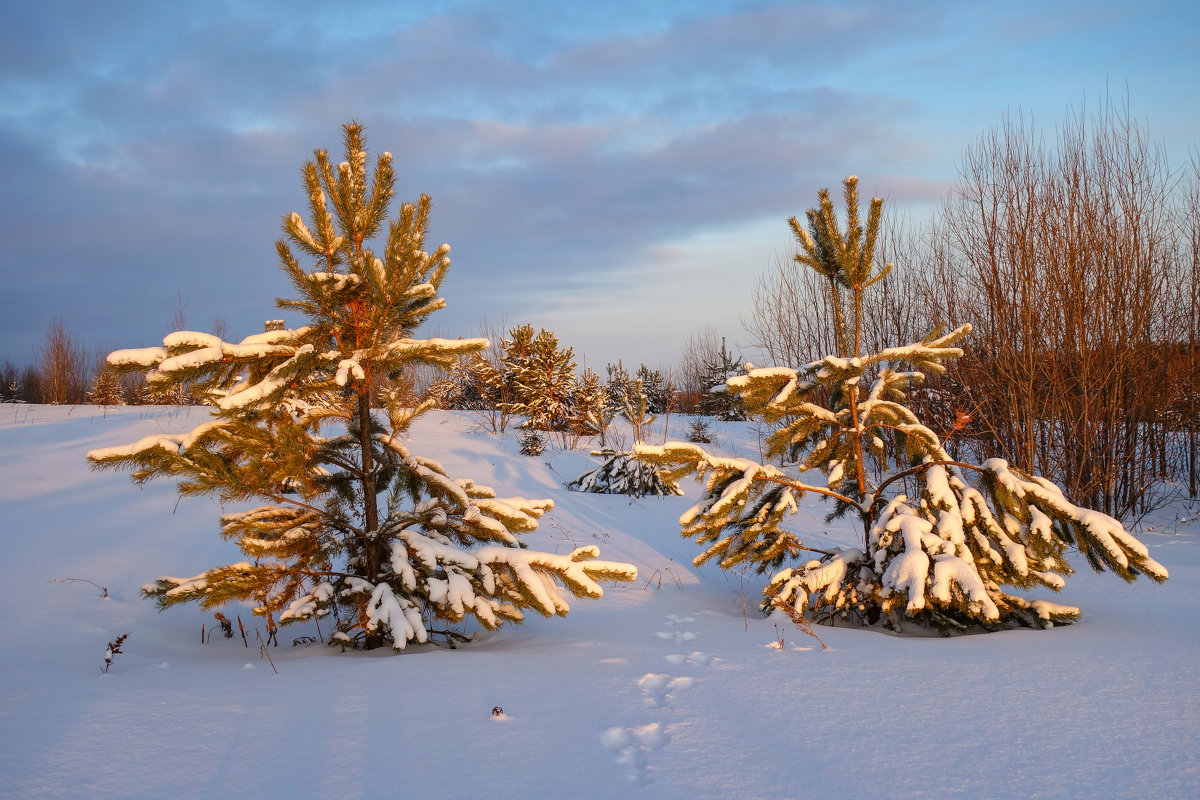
619,172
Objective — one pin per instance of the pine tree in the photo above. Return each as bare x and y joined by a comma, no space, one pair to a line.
941,539
495,376
659,392
699,432
160,393
589,406
622,473
459,389
618,386
532,443
635,408
532,378
10,383
106,389
353,524
544,383
715,399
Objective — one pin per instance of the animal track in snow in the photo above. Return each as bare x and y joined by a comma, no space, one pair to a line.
697,658
677,635
633,745
660,688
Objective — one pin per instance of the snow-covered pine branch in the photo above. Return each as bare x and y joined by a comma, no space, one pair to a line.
623,473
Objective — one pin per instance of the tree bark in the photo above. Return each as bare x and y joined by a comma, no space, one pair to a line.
371,555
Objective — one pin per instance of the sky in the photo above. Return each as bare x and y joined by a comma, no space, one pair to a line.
618,172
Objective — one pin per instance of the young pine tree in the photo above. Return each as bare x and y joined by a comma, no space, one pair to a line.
459,389
495,374
352,525
589,406
659,392
545,384
942,540
618,386
715,399
106,389
622,473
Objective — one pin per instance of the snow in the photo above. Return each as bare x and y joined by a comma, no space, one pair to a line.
252,343
169,442
1105,707
908,570
406,347
141,357
244,395
949,569
350,367
191,359
301,230
192,339
340,280
396,614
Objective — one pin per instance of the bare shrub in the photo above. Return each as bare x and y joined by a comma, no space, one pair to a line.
63,367
1064,259
701,348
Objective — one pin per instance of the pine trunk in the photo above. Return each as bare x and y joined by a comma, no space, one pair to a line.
371,561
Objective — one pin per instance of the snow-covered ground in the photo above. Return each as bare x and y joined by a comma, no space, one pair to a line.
670,687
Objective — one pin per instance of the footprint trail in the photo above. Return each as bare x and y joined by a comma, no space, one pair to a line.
634,743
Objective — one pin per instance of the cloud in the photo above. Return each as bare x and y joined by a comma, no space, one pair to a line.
576,153
159,153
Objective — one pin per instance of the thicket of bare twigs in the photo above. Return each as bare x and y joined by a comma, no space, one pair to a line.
1077,262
